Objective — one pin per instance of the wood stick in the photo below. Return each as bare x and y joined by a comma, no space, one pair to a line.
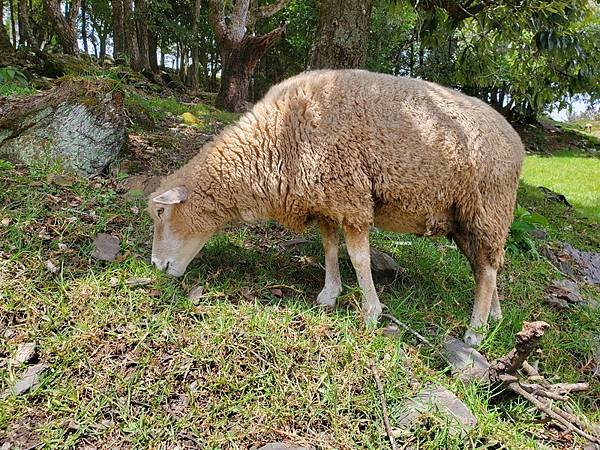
516,387
386,418
409,329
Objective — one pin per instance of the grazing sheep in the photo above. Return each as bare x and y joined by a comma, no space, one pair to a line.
588,128
350,149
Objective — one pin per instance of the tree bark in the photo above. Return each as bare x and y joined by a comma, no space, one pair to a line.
342,34
240,50
239,66
194,76
26,35
152,48
118,20
84,36
5,45
141,20
131,36
64,26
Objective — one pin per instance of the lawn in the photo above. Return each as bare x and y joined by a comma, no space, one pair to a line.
253,360
573,174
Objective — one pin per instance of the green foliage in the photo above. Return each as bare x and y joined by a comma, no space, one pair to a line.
12,75
519,238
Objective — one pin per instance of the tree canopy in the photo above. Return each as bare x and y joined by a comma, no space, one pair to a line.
523,57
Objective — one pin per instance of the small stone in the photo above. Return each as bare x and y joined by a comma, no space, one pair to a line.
114,282
24,354
5,222
62,246
438,401
467,363
276,292
106,247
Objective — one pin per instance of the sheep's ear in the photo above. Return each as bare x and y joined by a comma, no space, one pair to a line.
178,194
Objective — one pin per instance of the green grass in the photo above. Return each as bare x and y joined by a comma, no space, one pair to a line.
573,174
159,109
147,367
16,89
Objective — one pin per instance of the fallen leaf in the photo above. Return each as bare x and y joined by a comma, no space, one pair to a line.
29,380
6,221
62,246
114,281
196,294
106,247
51,267
135,209
138,281
276,292
25,353
60,180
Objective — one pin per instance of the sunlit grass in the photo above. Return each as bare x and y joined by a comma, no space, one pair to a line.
575,175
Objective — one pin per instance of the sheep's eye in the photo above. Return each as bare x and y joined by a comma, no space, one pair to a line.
160,211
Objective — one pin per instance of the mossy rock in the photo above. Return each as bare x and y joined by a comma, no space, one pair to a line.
78,124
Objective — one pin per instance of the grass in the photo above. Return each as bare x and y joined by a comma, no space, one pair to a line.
253,360
573,174
15,89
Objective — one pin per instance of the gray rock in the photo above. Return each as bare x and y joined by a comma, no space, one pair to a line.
106,247
467,363
29,380
79,124
385,269
440,402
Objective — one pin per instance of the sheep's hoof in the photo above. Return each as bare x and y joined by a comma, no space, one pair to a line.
327,299
472,338
371,314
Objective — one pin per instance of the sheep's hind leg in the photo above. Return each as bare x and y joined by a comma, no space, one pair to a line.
495,309
357,242
333,280
485,279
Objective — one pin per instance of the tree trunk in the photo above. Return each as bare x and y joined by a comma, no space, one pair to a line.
238,68
64,27
194,77
102,42
141,20
342,34
118,20
13,26
5,45
152,48
26,35
84,37
131,36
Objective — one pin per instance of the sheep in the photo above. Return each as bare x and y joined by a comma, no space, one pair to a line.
588,128
351,149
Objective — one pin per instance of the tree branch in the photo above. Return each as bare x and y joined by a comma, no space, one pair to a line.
216,17
266,11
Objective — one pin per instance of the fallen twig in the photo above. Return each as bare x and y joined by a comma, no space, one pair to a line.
506,370
409,329
386,418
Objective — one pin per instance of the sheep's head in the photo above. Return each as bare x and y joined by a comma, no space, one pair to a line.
176,241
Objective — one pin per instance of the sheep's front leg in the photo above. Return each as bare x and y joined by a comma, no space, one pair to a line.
485,287
333,280
357,242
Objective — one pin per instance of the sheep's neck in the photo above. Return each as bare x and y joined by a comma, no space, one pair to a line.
244,171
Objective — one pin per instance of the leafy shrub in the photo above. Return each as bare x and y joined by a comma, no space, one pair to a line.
11,75
519,237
